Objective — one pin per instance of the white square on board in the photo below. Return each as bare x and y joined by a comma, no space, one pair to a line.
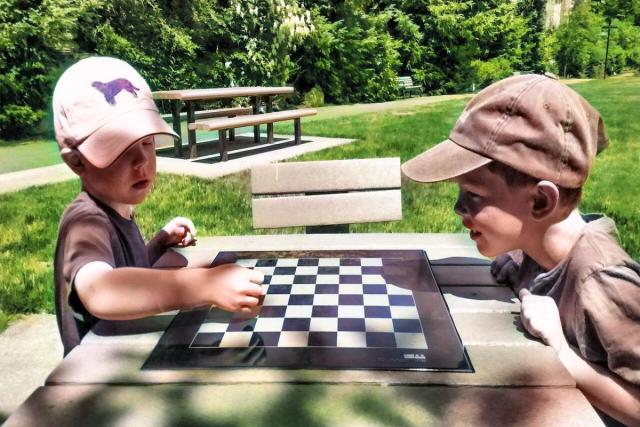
375,299
211,327
378,325
303,289
397,290
373,279
350,289
298,311
371,262
351,270
404,312
281,279
323,324
287,262
327,279
351,339
293,339
276,299
325,299
329,262
236,339
306,270
351,311
269,324
410,340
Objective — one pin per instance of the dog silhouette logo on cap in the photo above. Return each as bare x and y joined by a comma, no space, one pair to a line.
112,88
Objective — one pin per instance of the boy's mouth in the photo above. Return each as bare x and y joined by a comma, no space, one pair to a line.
474,234
142,184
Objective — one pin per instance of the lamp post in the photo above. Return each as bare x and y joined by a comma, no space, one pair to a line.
606,51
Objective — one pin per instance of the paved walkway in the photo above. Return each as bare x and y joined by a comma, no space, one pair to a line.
14,181
29,350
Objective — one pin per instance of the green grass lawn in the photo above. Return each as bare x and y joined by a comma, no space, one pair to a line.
30,217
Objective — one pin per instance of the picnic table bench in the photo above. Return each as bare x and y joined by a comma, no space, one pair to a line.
407,86
222,125
190,97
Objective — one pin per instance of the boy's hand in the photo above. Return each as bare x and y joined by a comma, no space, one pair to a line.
505,269
236,288
180,232
541,318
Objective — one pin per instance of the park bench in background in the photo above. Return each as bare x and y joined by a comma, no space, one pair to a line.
405,83
326,196
222,125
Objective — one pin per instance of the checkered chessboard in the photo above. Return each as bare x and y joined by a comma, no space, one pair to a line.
320,302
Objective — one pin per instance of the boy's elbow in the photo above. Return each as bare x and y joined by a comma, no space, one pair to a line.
91,284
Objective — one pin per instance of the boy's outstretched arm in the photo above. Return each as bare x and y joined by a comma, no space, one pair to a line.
604,389
130,292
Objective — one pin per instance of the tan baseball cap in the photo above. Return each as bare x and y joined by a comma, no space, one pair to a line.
533,123
101,106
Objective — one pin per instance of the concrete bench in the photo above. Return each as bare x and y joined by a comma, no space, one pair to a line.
222,125
326,196
406,85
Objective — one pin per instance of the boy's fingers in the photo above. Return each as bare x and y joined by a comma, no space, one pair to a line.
523,293
254,290
250,301
256,276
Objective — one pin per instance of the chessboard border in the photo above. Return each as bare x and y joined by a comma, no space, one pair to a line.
445,353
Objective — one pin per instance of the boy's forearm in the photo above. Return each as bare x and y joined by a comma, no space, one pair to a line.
156,247
130,293
603,388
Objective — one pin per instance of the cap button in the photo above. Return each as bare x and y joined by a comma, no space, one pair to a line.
551,75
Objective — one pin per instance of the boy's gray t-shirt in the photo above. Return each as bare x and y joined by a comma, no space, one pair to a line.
597,290
90,231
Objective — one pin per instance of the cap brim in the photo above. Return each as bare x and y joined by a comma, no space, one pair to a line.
444,161
104,146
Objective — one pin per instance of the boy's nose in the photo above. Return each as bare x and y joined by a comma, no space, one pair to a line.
140,155
459,208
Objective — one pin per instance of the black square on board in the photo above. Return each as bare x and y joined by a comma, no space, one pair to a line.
374,289
296,324
266,263
401,300
348,299
273,311
324,311
351,325
323,339
380,339
304,279
208,339
407,325
377,311
326,289
328,270
307,262
279,289
301,300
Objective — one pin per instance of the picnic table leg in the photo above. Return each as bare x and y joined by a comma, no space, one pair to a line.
297,131
175,118
232,132
191,118
269,125
255,105
222,137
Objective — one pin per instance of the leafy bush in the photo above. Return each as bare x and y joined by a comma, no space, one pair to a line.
314,98
486,72
18,120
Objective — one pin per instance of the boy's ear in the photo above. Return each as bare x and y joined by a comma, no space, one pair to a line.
73,159
545,200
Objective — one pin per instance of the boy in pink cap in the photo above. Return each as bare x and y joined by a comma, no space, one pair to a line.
106,125
520,153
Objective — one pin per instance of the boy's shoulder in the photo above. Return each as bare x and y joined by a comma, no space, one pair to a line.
83,207
599,250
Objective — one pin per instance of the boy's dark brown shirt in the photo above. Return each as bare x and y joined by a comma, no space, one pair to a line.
597,290
90,231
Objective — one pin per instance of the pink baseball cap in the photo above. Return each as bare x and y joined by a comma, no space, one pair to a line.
533,123
101,106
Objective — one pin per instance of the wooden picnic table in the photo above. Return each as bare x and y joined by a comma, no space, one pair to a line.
516,380
191,96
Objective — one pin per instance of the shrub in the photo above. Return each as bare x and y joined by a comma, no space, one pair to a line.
314,98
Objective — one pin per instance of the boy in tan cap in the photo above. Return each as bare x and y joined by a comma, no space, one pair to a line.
520,153
106,125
